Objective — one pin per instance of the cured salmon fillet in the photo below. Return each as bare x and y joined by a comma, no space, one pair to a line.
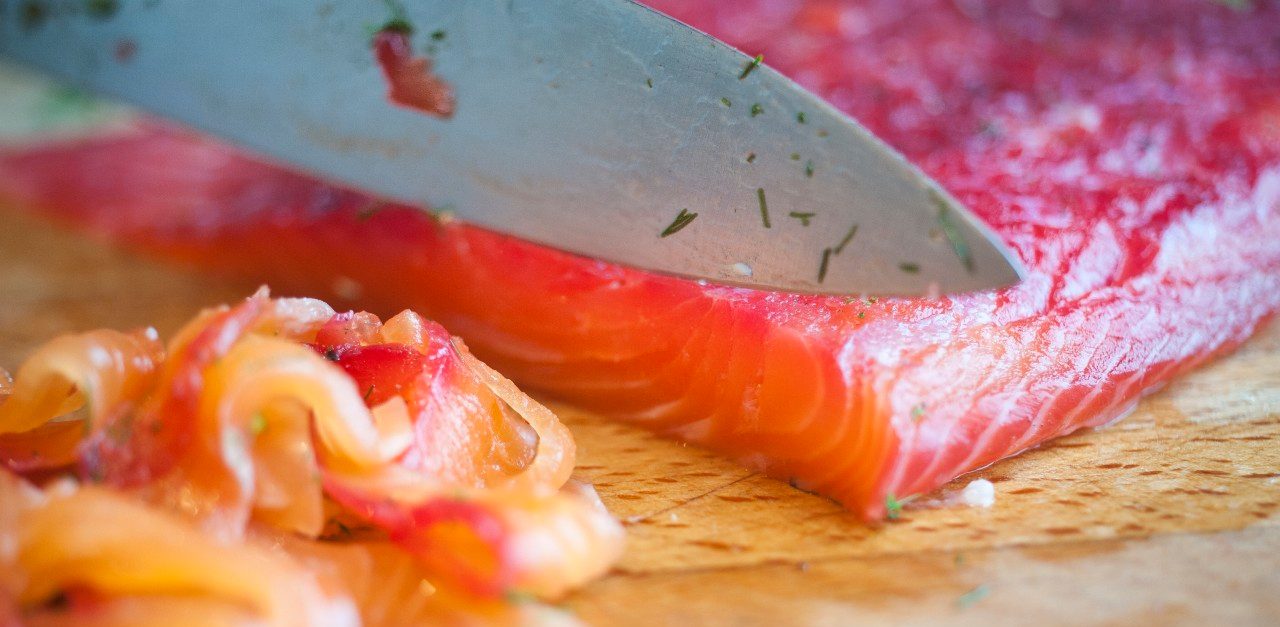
1128,151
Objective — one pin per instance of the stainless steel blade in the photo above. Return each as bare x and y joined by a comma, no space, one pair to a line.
587,125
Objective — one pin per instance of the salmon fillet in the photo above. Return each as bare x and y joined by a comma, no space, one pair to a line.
1128,151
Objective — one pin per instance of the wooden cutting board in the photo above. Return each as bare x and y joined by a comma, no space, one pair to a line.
1167,517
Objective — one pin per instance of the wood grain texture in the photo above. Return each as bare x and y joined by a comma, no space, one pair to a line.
1169,517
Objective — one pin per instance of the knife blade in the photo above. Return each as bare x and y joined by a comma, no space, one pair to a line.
599,127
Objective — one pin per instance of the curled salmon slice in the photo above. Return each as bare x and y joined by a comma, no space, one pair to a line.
241,445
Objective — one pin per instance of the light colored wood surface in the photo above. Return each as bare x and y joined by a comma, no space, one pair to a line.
1168,517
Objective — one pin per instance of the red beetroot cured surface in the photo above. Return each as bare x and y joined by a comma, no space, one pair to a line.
1128,151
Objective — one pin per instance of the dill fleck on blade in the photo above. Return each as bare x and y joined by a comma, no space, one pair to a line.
102,9
862,314
682,220
917,412
892,506
372,208
751,157
908,267
949,229
438,35
257,424
803,217
398,25
751,66
823,132
764,207
800,117
822,268
518,597
725,102
808,169
848,237
649,82
967,599
756,109
1236,5
795,156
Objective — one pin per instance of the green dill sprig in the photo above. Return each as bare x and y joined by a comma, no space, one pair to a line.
892,506
725,101
756,109
848,237
751,66
822,267
801,118
808,169
949,229
978,593
802,216
682,220
257,424
764,207
102,9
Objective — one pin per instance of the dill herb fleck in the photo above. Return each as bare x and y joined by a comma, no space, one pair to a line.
803,217
725,102
800,117
370,210
909,268
751,66
795,156
848,237
764,207
967,599
257,424
751,157
917,413
343,529
892,506
823,132
949,229
649,82
101,9
756,109
438,34
397,25
808,169
862,314
682,220
33,15
822,267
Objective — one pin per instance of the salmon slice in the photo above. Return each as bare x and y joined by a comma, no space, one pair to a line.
1129,152
137,478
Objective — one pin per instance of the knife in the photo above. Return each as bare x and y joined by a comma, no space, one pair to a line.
599,127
